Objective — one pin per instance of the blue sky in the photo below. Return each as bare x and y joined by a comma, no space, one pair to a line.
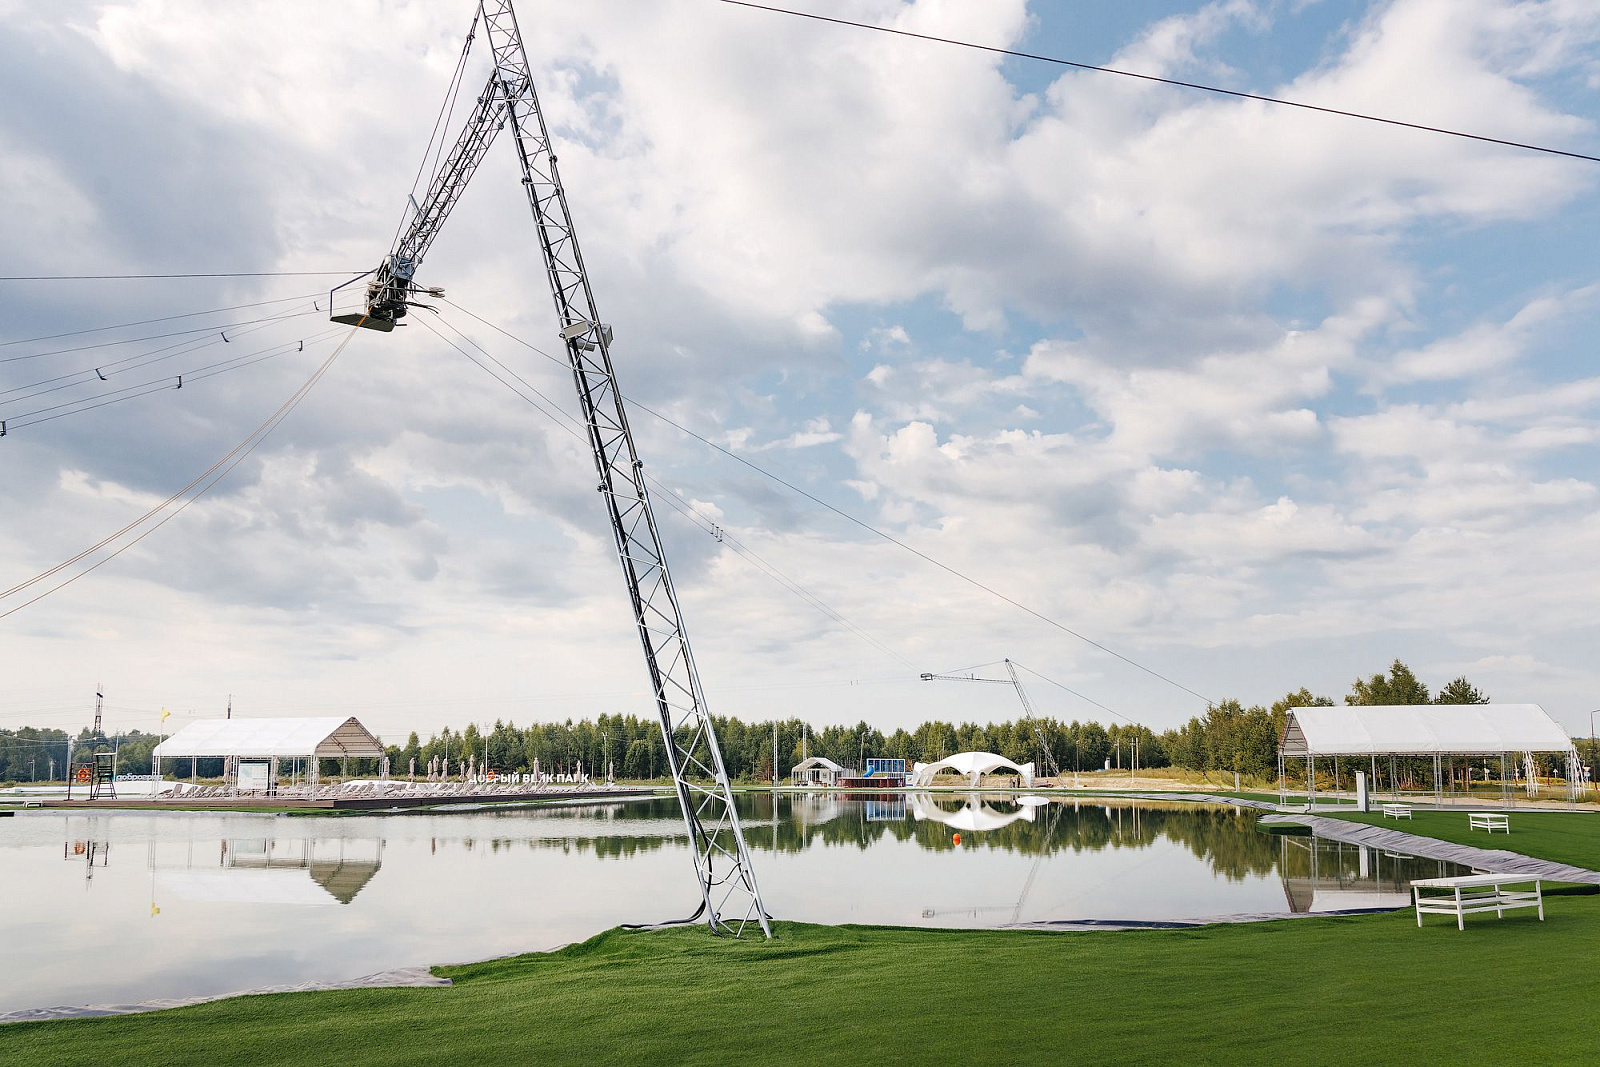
1259,398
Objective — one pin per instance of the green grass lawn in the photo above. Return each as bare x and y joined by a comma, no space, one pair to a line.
1336,990
1561,836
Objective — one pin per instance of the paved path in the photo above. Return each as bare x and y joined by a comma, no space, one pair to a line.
1496,860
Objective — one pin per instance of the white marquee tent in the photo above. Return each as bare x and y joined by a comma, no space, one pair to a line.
324,738
1423,730
1435,731
270,740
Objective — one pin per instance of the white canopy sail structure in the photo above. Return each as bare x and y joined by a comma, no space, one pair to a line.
972,764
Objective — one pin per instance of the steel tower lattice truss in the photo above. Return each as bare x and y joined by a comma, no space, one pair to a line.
730,897
1028,713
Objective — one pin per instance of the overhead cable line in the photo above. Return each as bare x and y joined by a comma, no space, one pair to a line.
920,554
1075,693
220,328
106,371
143,277
962,674
147,322
447,110
572,426
756,560
162,384
868,526
1236,93
975,667
176,348
215,473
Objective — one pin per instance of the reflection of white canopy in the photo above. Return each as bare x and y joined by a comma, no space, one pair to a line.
973,816
972,764
327,738
1422,730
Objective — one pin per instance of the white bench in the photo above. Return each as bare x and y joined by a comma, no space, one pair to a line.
1397,811
1489,821
1475,892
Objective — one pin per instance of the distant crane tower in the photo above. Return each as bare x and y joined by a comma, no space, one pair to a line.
99,771
1022,695
730,899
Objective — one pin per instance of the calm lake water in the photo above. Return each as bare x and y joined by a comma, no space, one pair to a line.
115,908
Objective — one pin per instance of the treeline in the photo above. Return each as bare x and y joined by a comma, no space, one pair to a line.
29,754
1229,737
36,755
632,745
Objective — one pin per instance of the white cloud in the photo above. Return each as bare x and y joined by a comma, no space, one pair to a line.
1203,477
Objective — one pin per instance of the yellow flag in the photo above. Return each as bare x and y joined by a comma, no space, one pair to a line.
154,911
164,714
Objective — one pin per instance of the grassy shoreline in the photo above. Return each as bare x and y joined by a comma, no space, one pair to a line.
1346,988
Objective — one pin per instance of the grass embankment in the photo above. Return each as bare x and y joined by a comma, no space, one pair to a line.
1559,836
1333,990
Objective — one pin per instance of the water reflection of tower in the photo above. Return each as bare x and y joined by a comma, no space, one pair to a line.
92,849
90,853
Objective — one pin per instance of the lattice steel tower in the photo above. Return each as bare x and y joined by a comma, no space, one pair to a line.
730,897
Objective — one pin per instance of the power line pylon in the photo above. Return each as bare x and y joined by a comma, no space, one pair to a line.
729,894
